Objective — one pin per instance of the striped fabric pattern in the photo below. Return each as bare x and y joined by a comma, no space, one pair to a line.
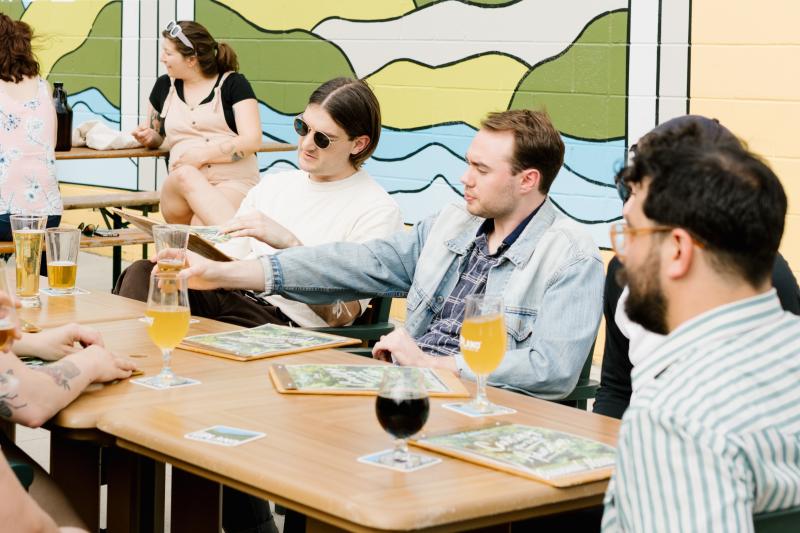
712,437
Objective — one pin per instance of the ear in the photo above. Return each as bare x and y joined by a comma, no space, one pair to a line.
529,180
359,144
680,254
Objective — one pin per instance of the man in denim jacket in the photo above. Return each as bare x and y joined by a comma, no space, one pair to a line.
508,239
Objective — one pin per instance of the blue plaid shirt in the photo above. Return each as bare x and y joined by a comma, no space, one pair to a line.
445,329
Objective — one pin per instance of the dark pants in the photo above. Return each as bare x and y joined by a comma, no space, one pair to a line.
233,307
241,513
6,235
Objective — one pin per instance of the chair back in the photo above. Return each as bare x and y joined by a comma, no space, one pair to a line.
586,388
784,521
370,326
23,471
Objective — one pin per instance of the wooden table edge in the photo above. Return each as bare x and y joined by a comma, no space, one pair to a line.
343,523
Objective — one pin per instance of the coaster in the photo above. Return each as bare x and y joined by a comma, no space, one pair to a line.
225,435
466,409
50,292
416,461
151,383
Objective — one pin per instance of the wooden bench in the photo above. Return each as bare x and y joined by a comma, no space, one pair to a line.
127,236
144,201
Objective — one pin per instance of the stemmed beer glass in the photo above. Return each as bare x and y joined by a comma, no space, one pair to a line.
167,318
483,343
402,408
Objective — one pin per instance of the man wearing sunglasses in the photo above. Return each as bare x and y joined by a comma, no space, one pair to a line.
628,344
710,437
329,198
508,239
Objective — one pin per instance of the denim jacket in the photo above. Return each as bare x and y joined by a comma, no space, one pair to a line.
551,280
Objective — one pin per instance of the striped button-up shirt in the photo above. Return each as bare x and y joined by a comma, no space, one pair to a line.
713,435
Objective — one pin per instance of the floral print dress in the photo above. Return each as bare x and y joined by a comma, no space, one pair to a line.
28,182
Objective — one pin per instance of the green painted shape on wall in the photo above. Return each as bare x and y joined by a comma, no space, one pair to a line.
423,3
583,89
284,68
13,9
97,62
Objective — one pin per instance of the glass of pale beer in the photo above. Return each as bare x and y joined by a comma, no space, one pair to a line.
483,342
28,232
63,245
8,316
167,318
173,240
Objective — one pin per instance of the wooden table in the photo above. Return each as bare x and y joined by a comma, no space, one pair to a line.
84,152
97,306
146,204
307,462
81,456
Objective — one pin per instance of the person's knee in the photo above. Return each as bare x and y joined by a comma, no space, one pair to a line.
134,282
186,179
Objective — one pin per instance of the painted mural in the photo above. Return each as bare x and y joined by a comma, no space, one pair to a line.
437,67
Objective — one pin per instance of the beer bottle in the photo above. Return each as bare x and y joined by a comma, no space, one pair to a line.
64,117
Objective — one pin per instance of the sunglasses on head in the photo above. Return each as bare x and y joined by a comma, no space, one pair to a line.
174,30
320,139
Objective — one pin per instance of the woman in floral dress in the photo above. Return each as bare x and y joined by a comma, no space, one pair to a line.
28,182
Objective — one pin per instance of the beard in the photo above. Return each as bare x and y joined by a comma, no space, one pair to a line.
646,304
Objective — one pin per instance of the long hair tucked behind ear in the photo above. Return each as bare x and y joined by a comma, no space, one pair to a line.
354,107
16,59
213,57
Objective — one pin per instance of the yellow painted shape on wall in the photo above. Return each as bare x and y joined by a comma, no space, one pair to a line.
61,26
413,95
305,14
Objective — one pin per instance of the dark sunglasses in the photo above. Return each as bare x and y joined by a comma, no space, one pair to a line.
623,191
320,139
90,230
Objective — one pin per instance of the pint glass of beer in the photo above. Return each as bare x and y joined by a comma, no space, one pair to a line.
28,232
62,258
171,242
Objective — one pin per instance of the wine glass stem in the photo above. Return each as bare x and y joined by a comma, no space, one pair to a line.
166,356
400,454
480,392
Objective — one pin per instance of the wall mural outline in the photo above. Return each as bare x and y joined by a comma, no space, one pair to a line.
436,66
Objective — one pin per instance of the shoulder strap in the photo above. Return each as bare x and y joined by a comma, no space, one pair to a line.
218,90
168,99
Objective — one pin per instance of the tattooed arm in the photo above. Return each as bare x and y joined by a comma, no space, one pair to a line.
149,133
248,139
41,392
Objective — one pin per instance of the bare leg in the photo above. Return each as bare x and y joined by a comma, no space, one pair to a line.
211,204
173,205
44,490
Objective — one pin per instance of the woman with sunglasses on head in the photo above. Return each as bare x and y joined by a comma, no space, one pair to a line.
207,113
28,181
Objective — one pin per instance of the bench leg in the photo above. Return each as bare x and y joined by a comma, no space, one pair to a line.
116,267
145,212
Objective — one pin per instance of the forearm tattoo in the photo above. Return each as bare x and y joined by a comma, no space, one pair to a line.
8,394
155,121
61,372
228,148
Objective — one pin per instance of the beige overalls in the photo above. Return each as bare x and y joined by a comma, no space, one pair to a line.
203,126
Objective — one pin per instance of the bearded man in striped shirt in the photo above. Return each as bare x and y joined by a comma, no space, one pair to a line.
712,435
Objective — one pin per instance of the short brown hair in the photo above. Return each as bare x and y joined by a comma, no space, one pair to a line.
213,57
18,61
354,107
537,143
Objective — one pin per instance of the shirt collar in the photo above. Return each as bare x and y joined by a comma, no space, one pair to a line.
721,322
488,226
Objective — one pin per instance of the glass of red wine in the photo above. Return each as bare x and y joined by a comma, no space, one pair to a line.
402,408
